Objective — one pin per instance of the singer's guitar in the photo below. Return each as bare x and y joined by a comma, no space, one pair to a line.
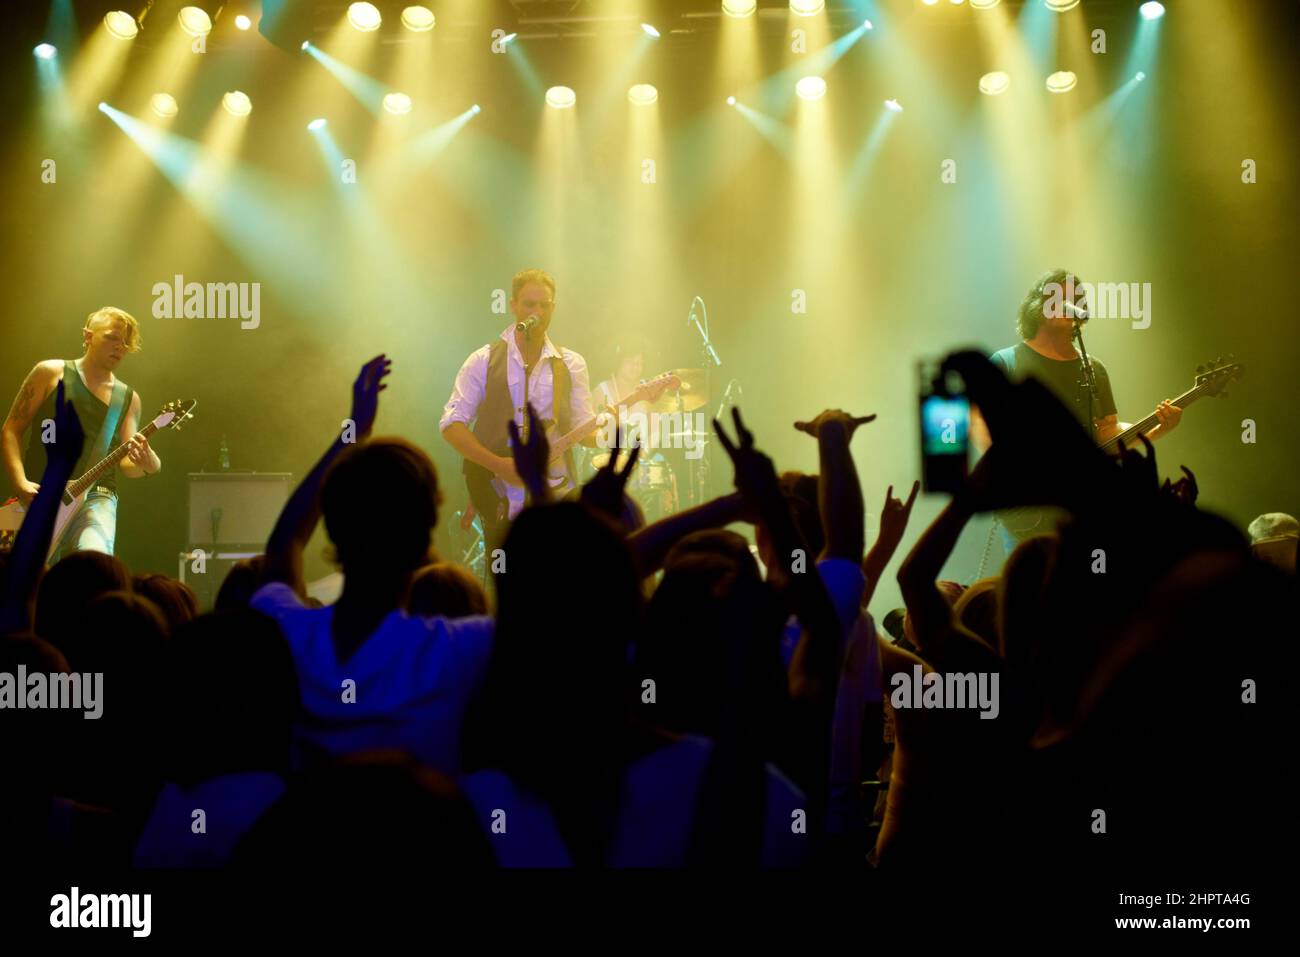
1211,380
74,496
508,500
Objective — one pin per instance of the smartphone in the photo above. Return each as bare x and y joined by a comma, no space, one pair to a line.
945,430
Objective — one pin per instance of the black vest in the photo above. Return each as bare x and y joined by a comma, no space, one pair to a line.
497,408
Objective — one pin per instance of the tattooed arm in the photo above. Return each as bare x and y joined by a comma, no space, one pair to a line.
38,384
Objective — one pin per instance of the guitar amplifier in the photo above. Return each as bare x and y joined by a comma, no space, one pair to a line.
231,509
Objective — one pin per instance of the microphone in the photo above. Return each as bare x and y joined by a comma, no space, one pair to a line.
526,326
1077,313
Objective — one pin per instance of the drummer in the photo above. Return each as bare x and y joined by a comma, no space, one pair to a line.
629,372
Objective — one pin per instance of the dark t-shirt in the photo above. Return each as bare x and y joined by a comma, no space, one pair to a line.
1062,377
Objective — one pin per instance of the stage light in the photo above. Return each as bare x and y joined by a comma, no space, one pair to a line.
810,88
237,103
994,83
305,44
418,19
164,104
476,109
984,4
242,22
1151,10
45,51
398,104
807,8
1140,76
1060,6
643,94
1062,81
364,17
508,38
649,31
121,25
739,8
731,101
893,106
956,2
194,21
929,3
561,97
317,124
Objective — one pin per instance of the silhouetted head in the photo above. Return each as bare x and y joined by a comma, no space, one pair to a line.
447,589
977,610
800,491
365,817
174,598
212,730
240,584
380,501
712,643
69,587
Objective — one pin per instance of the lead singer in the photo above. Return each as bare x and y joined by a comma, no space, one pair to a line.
490,390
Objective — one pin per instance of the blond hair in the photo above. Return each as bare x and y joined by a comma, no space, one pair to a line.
525,276
112,313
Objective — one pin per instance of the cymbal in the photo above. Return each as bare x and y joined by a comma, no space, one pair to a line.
691,395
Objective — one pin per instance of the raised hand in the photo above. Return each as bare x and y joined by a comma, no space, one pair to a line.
531,458
365,393
755,474
1139,470
1185,489
839,416
605,490
894,517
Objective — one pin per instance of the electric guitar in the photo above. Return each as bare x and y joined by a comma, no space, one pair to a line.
509,499
1211,380
74,496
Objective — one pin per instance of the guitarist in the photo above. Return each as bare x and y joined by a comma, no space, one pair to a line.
109,412
1047,352
494,384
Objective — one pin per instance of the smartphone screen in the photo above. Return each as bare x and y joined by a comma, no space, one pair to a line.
945,437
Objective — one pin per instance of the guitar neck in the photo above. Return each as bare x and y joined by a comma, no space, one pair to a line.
106,464
1130,435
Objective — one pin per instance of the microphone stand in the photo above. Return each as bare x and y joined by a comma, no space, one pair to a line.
1089,379
709,359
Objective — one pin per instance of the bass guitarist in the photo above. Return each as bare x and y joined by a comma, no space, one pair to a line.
109,411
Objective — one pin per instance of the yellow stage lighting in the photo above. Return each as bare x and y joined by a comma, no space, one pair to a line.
810,88
739,8
807,8
643,94
121,25
237,103
164,104
195,21
1062,81
994,83
397,103
561,97
418,19
364,17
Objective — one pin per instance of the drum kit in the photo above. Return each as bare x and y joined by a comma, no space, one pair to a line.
670,471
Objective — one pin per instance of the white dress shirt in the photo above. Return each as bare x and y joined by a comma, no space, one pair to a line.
471,384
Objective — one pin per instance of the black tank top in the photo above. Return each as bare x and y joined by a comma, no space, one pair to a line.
91,411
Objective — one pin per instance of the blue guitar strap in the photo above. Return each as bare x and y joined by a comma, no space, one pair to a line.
106,433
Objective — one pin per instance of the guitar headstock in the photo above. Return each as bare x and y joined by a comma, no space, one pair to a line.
174,413
652,389
1213,377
